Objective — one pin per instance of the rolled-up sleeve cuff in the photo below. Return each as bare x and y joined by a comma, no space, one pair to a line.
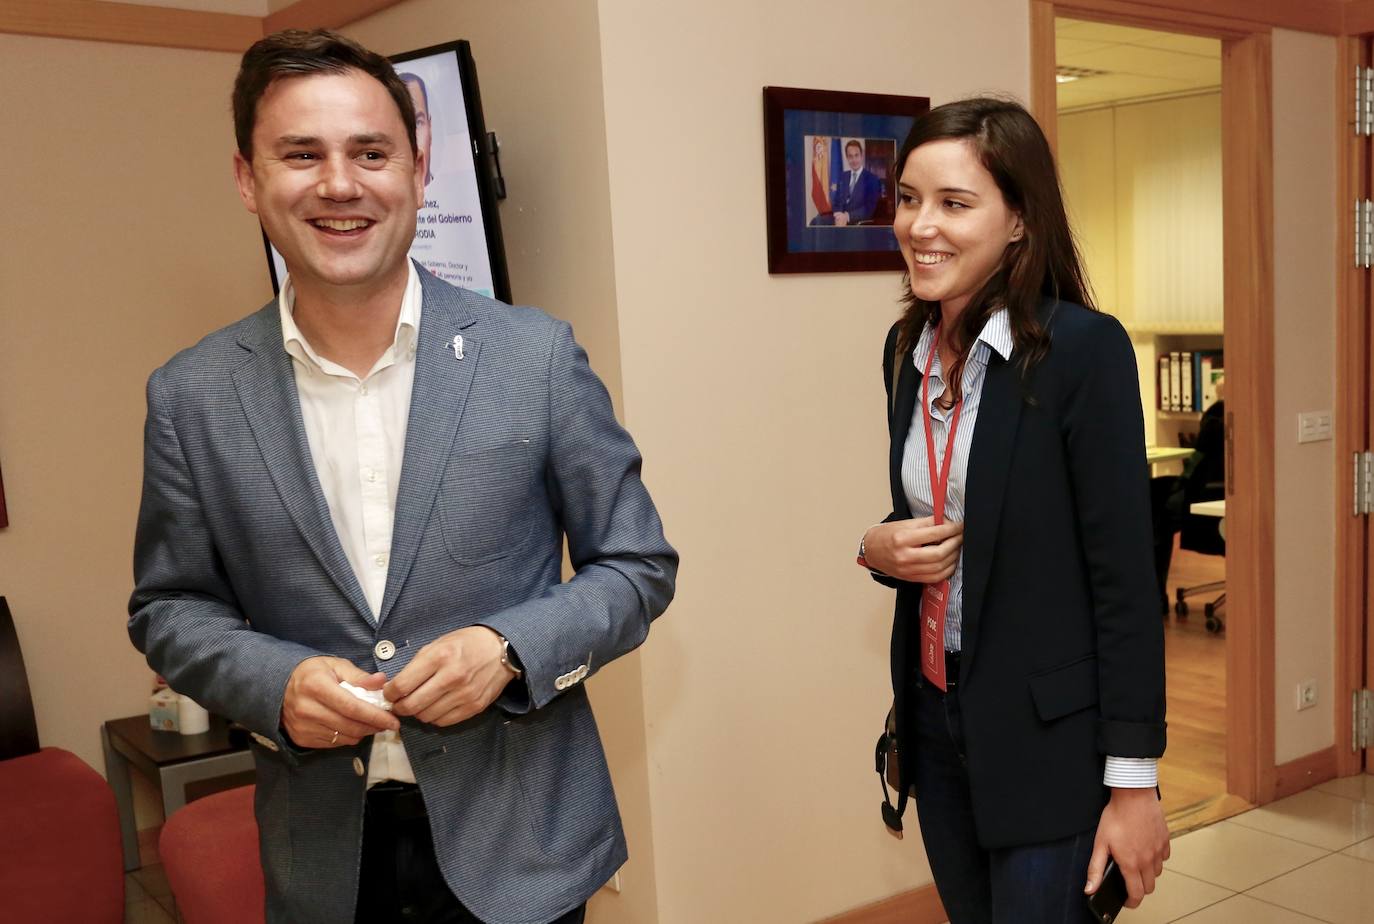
1131,773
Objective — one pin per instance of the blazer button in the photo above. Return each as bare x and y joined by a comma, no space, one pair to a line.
561,683
385,650
358,767
582,672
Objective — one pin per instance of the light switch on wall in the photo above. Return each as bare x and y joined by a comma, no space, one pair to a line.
1314,426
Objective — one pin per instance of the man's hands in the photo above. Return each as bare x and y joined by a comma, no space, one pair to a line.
1133,831
914,550
315,706
841,219
451,679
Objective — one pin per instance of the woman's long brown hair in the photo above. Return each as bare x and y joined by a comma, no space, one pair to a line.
1045,262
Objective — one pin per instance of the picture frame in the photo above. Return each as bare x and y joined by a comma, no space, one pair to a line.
4,515
830,171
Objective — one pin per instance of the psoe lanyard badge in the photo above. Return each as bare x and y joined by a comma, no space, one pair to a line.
935,597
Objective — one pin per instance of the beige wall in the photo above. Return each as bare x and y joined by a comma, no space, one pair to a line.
1168,212
758,401
1087,172
1305,221
124,241
1142,182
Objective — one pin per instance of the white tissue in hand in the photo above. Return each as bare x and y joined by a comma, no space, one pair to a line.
375,697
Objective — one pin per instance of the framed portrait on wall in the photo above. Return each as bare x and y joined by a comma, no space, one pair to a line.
830,178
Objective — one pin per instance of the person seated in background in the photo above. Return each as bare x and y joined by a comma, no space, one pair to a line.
1203,478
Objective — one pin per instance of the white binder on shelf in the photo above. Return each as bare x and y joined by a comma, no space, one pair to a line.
1185,365
1175,381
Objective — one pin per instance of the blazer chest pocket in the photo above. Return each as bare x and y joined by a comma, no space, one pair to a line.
484,503
1066,689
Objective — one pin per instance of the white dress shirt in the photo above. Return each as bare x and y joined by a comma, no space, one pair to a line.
1121,772
357,433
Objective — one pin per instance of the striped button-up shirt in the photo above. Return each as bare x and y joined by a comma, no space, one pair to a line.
1123,772
996,335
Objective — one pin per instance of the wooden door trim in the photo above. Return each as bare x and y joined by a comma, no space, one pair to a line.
1351,423
1248,280
918,906
1218,18
130,23
1044,95
169,27
1358,18
1248,254
322,14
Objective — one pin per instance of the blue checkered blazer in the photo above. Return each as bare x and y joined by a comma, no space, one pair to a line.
240,576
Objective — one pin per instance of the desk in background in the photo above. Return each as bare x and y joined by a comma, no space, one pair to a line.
1158,455
1211,508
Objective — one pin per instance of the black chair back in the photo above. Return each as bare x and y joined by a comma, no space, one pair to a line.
18,728
1204,479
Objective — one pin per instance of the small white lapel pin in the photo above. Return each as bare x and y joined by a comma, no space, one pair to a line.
457,346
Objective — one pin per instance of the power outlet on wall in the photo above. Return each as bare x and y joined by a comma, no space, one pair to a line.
1307,694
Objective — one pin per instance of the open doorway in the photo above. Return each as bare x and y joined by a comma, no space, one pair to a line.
1248,315
1139,123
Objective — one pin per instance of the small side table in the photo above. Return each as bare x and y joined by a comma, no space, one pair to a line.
170,759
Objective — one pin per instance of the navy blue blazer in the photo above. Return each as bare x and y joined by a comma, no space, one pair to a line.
860,203
1063,646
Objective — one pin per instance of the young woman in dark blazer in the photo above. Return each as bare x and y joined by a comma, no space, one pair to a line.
1027,649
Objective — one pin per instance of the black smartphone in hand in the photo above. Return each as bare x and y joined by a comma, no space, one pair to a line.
1106,903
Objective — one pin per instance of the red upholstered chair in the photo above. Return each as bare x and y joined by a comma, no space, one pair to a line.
60,859
209,851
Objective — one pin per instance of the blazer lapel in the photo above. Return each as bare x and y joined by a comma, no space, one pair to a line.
442,384
907,386
994,436
266,387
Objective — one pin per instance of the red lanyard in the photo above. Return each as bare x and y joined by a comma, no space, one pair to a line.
939,484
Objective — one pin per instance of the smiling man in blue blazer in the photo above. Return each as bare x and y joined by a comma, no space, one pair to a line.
355,503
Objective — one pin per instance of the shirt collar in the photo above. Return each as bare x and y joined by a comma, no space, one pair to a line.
996,333
403,342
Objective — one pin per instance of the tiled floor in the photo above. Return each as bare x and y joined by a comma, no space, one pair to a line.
1308,858
147,897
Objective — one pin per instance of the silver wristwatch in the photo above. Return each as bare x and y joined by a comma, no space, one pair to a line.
510,660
